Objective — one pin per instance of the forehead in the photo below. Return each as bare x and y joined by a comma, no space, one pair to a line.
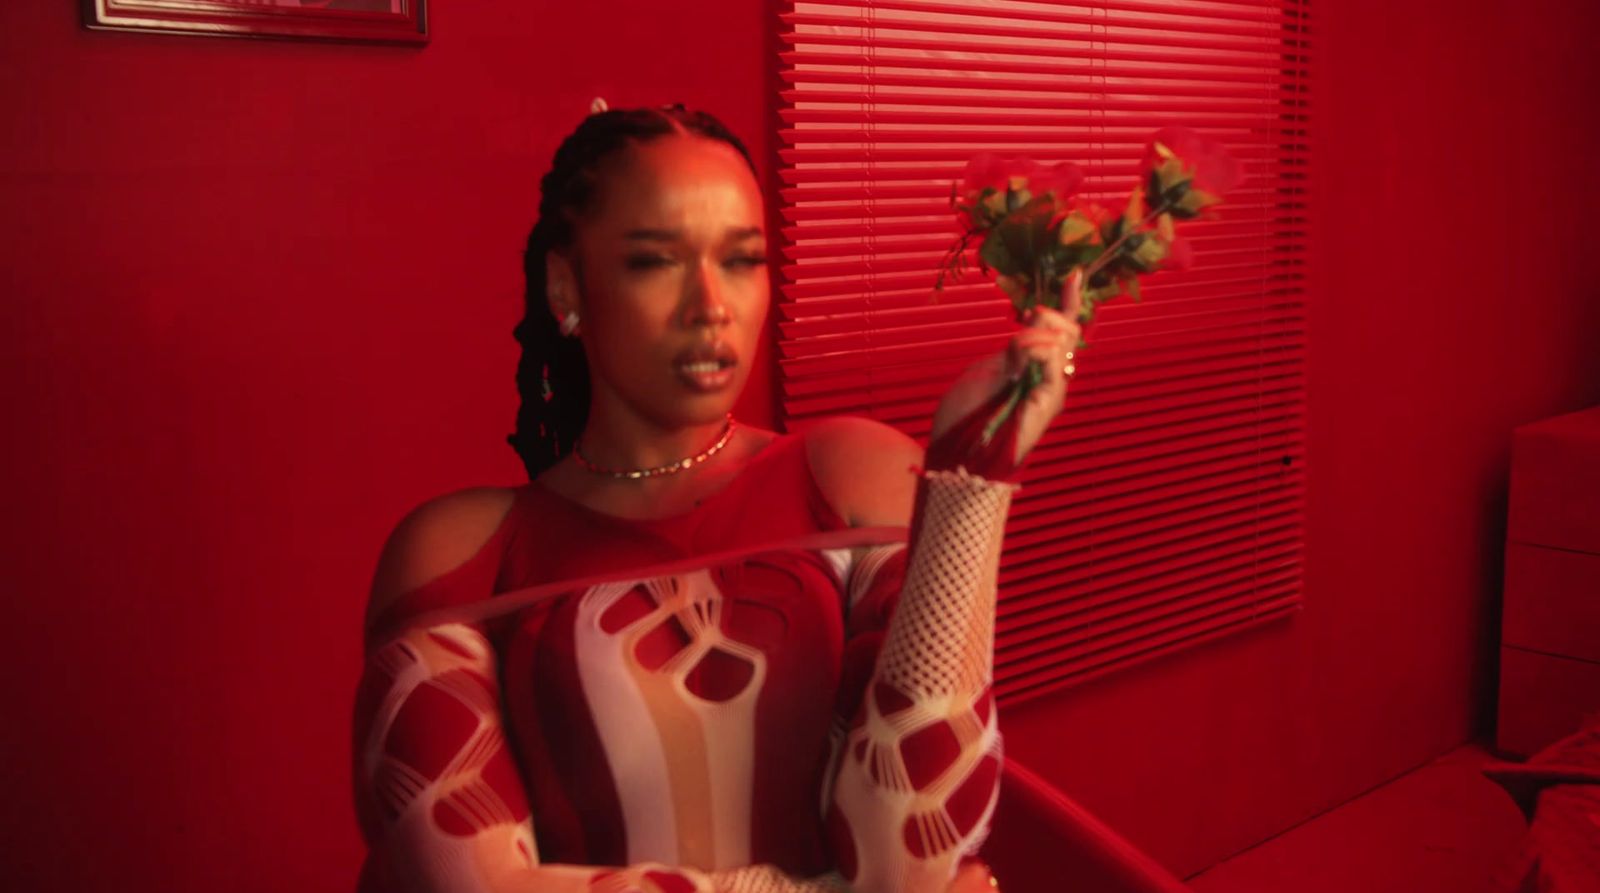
680,181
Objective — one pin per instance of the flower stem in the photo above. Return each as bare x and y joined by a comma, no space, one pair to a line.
1111,250
1031,377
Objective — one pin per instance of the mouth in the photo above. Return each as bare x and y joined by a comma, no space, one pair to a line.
707,368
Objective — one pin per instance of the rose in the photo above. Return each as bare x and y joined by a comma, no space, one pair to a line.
989,171
980,200
997,185
998,172
1007,208
989,185
1209,162
1186,173
1060,180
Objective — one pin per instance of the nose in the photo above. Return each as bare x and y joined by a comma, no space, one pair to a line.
706,303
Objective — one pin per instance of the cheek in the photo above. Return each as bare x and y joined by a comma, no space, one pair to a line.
623,308
758,304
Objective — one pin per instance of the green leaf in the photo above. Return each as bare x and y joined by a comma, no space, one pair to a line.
1133,287
1016,198
1021,245
1114,229
996,256
1086,315
993,211
1175,193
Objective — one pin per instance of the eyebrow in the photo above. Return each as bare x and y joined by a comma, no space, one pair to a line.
671,235
652,235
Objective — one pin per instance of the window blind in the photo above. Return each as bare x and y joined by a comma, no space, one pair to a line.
1165,507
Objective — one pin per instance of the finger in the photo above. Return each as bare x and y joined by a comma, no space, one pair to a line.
1051,355
1031,337
1015,358
1074,303
1068,327
1072,295
1060,341
1043,352
1050,319
1056,336
1064,340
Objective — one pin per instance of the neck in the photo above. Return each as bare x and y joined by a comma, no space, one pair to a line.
625,441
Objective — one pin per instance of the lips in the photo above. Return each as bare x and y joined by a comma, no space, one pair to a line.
707,367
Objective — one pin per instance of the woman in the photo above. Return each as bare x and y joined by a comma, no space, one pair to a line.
673,661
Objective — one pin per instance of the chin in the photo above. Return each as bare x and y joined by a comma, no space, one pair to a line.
703,409
713,413
699,410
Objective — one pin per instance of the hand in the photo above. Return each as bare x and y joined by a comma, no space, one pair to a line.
1048,336
973,877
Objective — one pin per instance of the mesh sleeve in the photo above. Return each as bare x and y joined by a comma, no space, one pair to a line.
917,773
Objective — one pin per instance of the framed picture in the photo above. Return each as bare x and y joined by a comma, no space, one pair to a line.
372,21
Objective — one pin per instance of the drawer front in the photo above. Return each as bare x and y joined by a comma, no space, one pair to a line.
1552,601
1555,482
1543,698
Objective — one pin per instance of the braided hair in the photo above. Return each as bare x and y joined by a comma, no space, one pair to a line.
552,375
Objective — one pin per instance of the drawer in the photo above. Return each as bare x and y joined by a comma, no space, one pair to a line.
1552,601
1543,698
1555,482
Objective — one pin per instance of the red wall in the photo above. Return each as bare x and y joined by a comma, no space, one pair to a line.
258,300
1454,298
260,297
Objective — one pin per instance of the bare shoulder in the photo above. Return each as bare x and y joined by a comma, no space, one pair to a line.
435,538
867,469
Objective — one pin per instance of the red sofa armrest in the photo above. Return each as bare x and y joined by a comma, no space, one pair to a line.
1042,842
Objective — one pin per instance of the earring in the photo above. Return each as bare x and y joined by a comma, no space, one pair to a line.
569,323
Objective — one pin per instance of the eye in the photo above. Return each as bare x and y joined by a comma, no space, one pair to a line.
746,261
641,262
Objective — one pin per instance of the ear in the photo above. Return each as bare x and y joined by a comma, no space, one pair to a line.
560,284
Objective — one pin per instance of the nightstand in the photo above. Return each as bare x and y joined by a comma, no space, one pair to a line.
1550,627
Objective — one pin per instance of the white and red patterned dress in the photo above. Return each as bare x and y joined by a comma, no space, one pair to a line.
681,704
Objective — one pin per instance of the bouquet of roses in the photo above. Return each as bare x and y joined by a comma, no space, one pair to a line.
1032,229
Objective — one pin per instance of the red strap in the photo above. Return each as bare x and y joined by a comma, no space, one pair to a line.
515,600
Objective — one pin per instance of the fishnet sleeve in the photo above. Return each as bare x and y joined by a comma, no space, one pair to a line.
917,772
441,801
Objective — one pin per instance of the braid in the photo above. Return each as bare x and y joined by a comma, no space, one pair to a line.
553,374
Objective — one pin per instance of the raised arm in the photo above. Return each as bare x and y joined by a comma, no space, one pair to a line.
442,804
918,770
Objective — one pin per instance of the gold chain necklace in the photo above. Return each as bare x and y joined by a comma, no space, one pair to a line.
669,468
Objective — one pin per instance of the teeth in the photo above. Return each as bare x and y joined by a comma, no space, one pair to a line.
712,366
